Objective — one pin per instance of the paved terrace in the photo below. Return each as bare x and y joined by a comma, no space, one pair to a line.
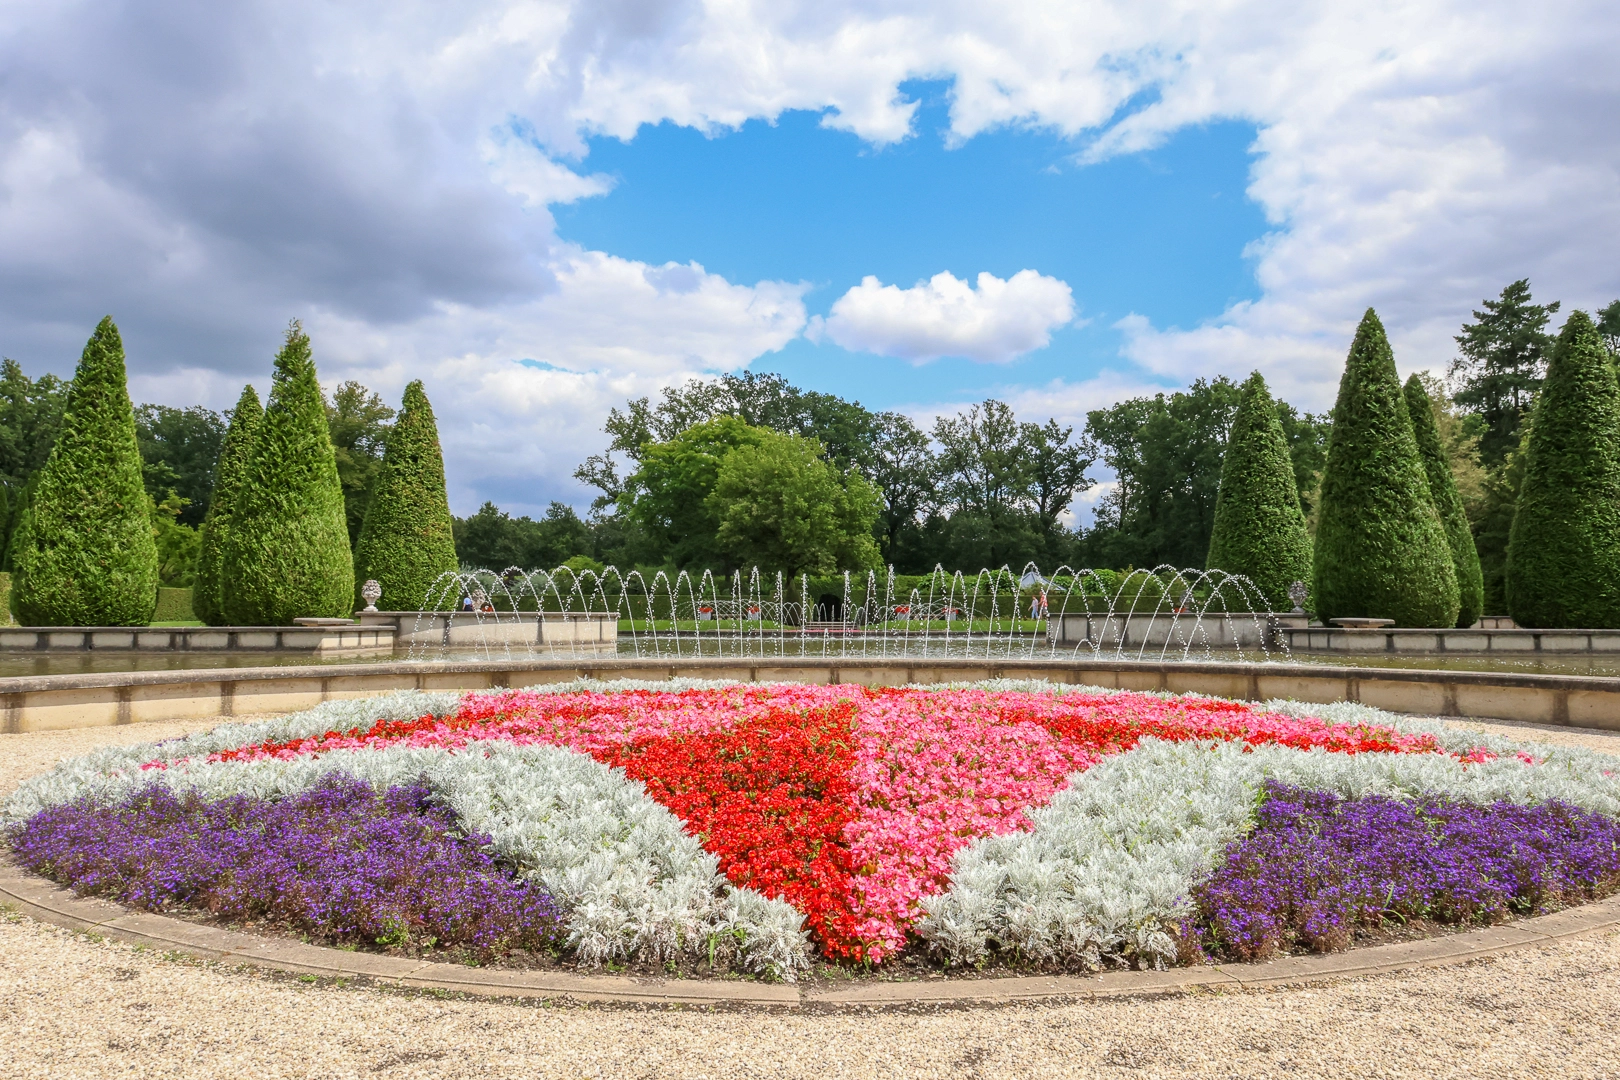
78,1006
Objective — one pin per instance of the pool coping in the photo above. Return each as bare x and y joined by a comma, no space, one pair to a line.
47,902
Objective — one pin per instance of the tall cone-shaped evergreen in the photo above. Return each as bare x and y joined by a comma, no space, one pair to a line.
1381,549
287,548
228,474
1563,561
85,555
1443,489
406,541
1259,528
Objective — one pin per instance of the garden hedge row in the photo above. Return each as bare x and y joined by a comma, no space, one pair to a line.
406,542
1381,549
1443,489
287,548
1259,528
84,553
1563,559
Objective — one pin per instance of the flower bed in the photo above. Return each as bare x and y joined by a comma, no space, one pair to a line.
750,824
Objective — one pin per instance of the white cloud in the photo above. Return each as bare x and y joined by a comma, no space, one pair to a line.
944,316
207,171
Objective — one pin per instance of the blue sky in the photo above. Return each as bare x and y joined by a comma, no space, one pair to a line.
1161,233
446,191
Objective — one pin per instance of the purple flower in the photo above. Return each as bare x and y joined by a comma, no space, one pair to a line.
1318,866
340,862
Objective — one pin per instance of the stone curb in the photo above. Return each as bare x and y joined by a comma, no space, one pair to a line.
46,902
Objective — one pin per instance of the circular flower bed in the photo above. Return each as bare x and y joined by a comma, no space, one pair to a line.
754,826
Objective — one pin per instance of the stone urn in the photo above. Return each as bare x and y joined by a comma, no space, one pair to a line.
371,592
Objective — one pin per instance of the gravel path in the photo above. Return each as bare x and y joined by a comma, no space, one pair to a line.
77,1007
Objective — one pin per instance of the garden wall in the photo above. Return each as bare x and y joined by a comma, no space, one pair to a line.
46,702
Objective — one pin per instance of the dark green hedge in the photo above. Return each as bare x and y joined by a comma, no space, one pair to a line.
228,474
84,553
1563,563
1259,528
1381,548
287,549
1443,489
174,605
406,542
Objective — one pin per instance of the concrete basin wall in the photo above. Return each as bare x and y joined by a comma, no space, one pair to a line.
48,702
304,639
472,629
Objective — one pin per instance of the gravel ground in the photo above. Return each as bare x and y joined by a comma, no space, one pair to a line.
78,1007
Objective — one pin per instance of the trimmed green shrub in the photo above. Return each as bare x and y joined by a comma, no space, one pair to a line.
84,554
1259,528
174,605
6,618
228,474
287,549
1443,489
406,541
1381,549
1563,563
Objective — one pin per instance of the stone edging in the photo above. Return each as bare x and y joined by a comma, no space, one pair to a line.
42,900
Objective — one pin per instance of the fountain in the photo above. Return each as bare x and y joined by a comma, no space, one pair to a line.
1159,614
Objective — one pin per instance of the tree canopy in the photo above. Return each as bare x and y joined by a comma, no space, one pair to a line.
1502,356
782,507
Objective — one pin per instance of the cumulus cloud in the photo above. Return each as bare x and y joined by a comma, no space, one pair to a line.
944,316
207,171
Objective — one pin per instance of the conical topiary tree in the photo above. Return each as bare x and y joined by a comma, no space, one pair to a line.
84,554
1443,490
287,549
1381,549
1259,528
228,474
1563,560
406,541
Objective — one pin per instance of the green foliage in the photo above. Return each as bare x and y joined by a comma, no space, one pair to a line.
287,548
1166,454
408,539
667,497
1563,560
493,540
357,419
228,474
173,606
1502,355
1608,328
1259,528
178,545
84,554
180,448
780,506
5,599
30,413
1381,548
1443,490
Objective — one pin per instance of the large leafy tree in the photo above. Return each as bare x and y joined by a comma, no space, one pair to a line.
181,450
1563,565
1259,528
902,469
667,496
1381,548
408,540
1501,357
782,507
287,552
357,420
228,477
1443,489
1166,453
84,553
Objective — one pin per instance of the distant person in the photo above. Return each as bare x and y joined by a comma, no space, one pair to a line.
466,603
